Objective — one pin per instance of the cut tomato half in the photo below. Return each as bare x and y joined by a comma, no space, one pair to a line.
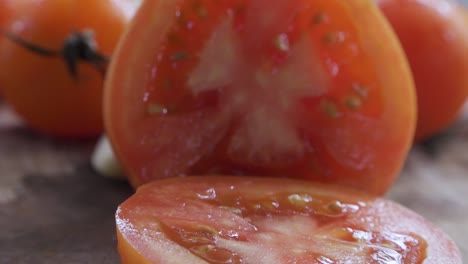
318,89
274,221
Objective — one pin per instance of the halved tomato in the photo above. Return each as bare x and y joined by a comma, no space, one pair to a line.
263,220
317,89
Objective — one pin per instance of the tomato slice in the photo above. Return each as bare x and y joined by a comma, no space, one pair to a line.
318,89
272,220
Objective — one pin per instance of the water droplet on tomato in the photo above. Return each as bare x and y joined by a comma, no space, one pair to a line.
300,200
339,208
325,260
233,234
209,194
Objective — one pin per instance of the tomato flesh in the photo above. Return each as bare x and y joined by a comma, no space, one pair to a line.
262,220
297,89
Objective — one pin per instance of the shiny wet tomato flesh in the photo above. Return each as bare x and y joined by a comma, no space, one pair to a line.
271,220
304,88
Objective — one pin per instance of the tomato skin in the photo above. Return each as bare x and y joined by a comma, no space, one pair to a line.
41,89
4,12
362,148
248,218
435,38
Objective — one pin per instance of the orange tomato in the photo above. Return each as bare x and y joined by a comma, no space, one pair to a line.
42,89
434,35
319,90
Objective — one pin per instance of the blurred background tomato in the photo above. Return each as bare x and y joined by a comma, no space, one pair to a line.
57,89
434,36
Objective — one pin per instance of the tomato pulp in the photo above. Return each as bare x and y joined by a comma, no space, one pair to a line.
317,89
271,220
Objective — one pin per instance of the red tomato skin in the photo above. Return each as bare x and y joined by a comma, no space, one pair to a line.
434,36
41,89
363,150
139,217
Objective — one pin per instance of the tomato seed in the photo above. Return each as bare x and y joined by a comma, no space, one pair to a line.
202,12
207,231
334,37
214,254
360,89
318,18
282,42
330,108
353,102
157,109
335,207
197,240
200,9
203,249
299,200
343,233
179,56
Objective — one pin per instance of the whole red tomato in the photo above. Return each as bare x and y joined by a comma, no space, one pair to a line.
316,89
434,35
53,56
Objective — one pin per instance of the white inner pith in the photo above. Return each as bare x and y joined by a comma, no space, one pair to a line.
263,98
295,239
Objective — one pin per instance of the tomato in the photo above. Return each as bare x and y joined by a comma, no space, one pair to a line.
318,89
3,16
51,97
434,36
272,220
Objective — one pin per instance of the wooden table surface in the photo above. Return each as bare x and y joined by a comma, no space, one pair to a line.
55,209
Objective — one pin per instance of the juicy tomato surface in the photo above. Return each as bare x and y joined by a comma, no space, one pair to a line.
272,220
434,35
39,85
318,89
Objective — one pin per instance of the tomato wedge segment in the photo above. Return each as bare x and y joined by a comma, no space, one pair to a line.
317,89
271,220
